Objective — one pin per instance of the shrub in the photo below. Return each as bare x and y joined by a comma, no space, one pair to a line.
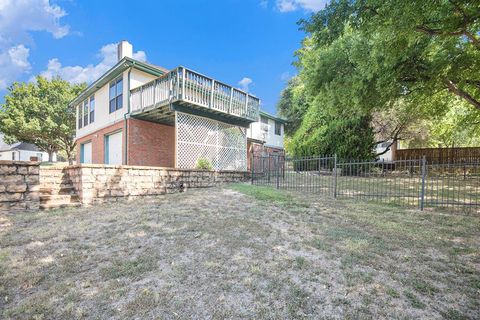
204,164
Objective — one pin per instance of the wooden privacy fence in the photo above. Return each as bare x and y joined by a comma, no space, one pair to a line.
441,155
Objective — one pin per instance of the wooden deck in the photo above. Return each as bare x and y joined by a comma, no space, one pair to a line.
188,91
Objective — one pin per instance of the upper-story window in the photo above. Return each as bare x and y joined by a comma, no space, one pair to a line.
116,95
263,119
85,112
278,128
92,109
80,116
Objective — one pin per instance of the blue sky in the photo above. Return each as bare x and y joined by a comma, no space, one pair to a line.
231,40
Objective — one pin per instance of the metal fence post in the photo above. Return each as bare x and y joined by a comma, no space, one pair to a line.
335,176
268,168
424,173
278,171
252,167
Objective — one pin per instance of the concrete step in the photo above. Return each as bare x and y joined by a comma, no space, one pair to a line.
59,199
63,189
48,206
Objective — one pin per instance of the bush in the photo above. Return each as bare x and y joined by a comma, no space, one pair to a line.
204,164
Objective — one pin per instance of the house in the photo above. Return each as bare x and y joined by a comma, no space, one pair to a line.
386,151
142,114
22,151
265,136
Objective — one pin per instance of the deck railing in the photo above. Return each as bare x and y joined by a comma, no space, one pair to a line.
182,84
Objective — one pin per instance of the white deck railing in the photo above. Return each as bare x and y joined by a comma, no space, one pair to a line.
182,84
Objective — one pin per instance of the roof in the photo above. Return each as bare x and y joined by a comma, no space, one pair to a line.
271,116
17,146
116,70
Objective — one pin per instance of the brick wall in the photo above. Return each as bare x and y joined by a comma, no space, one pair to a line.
19,186
150,144
98,140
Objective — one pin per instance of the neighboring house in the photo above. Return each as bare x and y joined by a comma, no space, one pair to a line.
265,136
390,154
142,114
21,151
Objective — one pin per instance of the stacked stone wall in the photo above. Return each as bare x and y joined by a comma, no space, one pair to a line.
19,186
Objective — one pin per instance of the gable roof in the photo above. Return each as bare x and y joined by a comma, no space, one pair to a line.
17,146
116,70
271,116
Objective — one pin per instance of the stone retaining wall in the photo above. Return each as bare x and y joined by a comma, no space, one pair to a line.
19,186
21,183
99,183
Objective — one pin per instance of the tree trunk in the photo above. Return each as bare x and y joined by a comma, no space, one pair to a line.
50,156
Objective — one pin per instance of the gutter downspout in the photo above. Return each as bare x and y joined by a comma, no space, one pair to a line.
125,116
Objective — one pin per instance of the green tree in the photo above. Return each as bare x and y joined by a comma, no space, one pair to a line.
394,63
39,113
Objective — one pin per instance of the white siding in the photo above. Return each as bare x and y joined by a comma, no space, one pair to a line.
23,155
103,117
266,133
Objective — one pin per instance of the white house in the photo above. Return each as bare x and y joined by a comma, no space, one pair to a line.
142,114
21,151
266,135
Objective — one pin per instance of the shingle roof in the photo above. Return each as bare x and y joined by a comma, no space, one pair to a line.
16,146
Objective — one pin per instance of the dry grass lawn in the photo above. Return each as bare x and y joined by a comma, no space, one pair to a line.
239,252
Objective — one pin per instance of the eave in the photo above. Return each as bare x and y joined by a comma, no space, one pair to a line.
114,72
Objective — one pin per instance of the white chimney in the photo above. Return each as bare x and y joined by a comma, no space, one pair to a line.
125,49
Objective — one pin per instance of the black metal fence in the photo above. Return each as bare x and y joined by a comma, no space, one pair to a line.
412,182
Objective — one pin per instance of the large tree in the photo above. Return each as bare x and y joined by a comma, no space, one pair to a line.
39,113
396,63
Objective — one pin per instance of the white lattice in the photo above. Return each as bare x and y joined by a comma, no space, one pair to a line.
224,145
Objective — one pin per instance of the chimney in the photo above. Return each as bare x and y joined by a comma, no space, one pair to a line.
125,49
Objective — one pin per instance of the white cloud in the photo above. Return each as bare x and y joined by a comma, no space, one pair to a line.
90,72
264,3
12,62
307,5
17,19
244,83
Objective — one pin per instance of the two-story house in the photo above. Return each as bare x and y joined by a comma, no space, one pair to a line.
138,113
265,136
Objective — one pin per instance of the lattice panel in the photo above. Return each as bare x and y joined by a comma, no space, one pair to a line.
224,145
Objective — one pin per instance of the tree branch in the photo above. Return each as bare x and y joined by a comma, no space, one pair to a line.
452,87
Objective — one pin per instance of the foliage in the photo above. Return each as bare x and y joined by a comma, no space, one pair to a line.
204,164
381,69
39,113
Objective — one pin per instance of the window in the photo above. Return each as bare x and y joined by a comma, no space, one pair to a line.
263,119
278,128
85,112
92,109
116,95
80,117
13,155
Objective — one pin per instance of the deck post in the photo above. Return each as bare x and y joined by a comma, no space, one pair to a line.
211,94
246,106
231,100
183,83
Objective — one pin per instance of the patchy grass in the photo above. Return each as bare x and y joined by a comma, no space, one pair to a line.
240,251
